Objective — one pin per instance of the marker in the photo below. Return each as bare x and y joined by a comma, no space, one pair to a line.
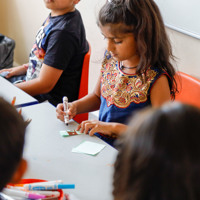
50,186
65,104
48,194
13,101
15,187
44,183
21,198
18,193
21,186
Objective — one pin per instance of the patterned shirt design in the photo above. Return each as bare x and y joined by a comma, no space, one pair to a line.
123,94
121,89
38,51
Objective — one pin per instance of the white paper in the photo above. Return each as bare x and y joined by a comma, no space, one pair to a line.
87,147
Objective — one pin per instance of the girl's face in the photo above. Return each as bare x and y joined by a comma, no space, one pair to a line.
60,7
122,46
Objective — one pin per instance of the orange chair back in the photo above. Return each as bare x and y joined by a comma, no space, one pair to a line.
83,89
189,89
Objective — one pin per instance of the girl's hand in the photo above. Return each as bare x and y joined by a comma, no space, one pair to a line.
72,111
92,126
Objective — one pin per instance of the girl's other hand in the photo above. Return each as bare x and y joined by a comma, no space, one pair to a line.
92,126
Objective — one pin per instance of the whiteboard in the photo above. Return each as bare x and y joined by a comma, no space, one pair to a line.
181,15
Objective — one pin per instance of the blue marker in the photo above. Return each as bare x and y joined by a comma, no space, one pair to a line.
49,186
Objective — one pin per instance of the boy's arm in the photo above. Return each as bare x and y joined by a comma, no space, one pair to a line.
46,81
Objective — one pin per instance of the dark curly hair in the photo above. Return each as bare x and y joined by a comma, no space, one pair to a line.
12,131
143,19
159,156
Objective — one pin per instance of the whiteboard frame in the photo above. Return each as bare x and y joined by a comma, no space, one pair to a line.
173,23
182,31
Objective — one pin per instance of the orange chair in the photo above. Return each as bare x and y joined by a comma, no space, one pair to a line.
83,90
189,89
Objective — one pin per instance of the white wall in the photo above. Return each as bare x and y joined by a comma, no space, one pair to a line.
28,15
20,20
89,10
187,51
181,15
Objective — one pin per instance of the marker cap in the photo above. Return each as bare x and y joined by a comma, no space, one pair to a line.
66,186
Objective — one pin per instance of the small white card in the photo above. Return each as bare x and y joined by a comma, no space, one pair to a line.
70,133
90,148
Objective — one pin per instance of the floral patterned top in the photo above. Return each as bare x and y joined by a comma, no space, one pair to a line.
122,94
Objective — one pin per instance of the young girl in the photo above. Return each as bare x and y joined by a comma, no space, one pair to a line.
159,156
136,71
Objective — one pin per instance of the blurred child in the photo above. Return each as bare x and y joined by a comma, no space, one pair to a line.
56,59
136,71
12,133
159,155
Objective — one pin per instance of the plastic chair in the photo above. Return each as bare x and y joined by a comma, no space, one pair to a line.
83,90
189,89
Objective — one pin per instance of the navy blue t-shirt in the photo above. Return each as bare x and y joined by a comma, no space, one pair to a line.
60,43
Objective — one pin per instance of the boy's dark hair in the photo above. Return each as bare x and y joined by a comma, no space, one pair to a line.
145,21
159,157
12,130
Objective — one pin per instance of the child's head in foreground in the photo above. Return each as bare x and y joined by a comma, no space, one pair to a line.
159,157
12,133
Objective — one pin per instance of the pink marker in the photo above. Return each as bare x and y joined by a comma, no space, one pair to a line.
19,193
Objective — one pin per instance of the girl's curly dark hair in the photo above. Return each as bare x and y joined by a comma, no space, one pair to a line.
145,21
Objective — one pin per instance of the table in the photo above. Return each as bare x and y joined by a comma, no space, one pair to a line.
49,155
9,90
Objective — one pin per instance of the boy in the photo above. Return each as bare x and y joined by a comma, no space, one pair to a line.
55,61
12,131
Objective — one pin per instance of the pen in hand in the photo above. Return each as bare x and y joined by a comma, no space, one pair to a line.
65,104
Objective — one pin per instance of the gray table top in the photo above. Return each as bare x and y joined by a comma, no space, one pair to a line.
49,155
8,91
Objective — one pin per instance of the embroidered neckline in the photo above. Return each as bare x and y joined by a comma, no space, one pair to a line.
128,67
